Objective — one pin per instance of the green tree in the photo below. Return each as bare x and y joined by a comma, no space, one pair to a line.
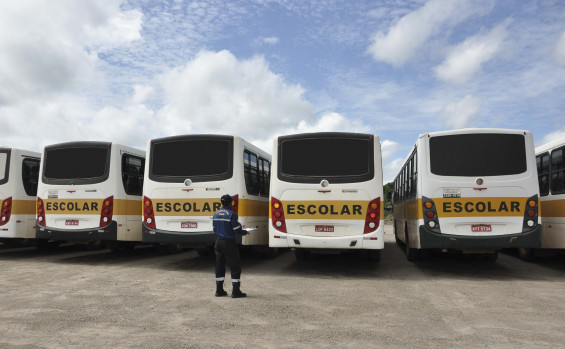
387,191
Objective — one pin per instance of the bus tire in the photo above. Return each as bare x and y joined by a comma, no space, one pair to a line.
301,254
44,244
398,241
205,252
374,255
411,253
488,257
527,254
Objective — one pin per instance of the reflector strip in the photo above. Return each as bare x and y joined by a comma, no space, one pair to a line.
220,279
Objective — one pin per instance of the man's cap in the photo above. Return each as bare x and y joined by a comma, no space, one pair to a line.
226,199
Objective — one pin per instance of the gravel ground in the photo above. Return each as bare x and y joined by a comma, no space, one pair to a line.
143,299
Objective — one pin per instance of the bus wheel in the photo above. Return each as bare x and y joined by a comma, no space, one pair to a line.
488,257
95,245
527,254
411,253
44,244
398,241
205,252
272,252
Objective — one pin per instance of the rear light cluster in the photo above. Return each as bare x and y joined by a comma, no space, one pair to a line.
148,214
277,215
531,213
235,204
40,212
373,217
107,211
6,211
430,214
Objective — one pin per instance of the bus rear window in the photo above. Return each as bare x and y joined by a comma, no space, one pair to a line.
76,164
198,159
4,165
482,154
337,159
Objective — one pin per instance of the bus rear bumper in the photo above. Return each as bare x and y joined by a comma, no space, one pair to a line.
430,239
201,238
372,241
107,233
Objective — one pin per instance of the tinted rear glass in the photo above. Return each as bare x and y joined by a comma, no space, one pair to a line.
484,154
4,161
332,158
191,158
76,163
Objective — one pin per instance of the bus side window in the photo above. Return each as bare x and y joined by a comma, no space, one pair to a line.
542,162
132,174
30,176
557,172
264,168
251,172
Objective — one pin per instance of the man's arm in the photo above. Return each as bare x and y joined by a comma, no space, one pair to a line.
236,226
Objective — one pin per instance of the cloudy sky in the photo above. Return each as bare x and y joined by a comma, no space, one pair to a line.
132,70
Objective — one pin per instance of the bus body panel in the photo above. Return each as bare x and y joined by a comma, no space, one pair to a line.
183,214
73,212
464,207
309,208
21,224
551,183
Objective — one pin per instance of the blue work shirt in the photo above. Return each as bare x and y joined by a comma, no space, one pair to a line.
226,224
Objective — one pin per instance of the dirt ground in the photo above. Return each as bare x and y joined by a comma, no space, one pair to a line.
142,299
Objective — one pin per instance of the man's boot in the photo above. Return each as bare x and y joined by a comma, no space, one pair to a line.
220,289
236,292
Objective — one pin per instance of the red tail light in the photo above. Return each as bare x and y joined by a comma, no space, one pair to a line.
277,215
6,211
373,218
235,204
40,212
107,211
148,214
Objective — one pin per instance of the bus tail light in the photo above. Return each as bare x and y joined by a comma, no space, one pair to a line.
6,211
531,213
235,203
148,214
373,218
430,214
277,215
40,212
107,211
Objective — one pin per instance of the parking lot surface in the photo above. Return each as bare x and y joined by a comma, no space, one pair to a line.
70,297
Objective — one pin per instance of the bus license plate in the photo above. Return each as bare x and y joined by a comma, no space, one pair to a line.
71,222
324,228
189,225
479,228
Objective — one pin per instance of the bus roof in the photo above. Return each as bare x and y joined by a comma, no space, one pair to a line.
473,130
550,145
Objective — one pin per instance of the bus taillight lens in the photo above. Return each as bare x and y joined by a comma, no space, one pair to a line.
531,214
107,211
40,212
277,214
235,204
6,211
148,214
373,217
430,214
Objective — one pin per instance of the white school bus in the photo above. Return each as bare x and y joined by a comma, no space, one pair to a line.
550,162
186,176
326,193
468,190
90,192
19,171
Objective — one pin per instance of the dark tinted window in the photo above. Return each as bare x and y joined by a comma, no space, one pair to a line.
337,159
197,159
30,175
542,162
251,169
264,174
71,163
4,165
132,174
478,155
557,172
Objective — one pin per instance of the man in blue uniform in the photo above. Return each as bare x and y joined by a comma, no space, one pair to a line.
226,226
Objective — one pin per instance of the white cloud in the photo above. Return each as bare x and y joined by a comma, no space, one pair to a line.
466,59
460,114
553,136
271,40
559,51
403,39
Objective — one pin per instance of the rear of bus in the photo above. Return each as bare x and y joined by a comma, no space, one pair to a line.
76,193
327,192
19,171
479,190
185,178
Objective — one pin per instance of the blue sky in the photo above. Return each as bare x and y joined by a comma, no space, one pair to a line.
129,71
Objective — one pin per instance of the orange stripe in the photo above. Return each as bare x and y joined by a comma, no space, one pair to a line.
553,208
255,208
408,210
23,207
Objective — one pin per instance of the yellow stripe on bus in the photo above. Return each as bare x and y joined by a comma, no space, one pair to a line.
206,207
553,208
90,206
408,210
23,207
336,209
481,207
253,208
